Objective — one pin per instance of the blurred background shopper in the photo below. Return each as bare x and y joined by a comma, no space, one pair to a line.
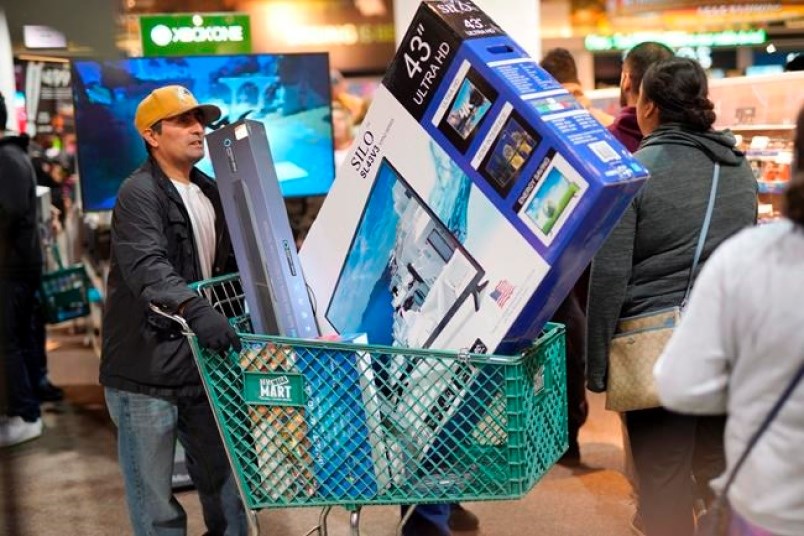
20,276
734,353
626,129
561,65
343,132
638,59
572,311
645,265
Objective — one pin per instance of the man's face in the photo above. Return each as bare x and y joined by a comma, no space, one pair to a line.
181,140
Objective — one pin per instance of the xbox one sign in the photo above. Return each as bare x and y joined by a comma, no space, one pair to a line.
163,36
185,35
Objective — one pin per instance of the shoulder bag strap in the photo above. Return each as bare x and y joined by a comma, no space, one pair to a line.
704,231
764,426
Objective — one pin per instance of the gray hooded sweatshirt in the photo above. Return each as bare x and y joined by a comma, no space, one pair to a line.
645,263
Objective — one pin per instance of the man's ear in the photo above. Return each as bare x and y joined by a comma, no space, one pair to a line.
150,138
626,82
650,109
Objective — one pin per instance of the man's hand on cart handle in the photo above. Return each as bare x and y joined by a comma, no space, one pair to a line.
211,327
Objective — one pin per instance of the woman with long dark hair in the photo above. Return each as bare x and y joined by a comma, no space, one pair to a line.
646,264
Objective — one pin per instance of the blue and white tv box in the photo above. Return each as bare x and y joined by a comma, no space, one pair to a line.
476,192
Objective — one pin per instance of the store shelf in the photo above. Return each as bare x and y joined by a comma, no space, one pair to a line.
761,128
769,154
771,187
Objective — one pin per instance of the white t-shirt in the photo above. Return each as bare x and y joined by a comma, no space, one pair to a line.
739,343
202,220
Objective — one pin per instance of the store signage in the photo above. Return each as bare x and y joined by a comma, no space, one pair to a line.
48,97
273,389
359,35
632,7
676,39
187,34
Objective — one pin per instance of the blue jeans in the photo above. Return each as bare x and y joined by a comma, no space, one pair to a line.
434,516
147,429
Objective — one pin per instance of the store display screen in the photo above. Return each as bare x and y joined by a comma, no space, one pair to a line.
289,93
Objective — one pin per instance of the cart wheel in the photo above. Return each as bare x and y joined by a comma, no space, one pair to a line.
321,529
354,522
404,519
253,523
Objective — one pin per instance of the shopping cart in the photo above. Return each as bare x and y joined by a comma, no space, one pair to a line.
318,423
66,291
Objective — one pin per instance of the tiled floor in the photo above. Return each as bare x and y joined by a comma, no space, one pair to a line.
67,482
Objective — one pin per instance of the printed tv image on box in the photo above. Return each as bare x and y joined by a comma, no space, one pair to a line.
405,274
558,190
510,152
469,101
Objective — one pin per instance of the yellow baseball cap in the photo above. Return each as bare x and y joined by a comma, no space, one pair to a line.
170,101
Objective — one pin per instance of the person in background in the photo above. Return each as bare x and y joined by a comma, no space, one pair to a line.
168,229
561,66
47,174
44,388
626,130
356,105
572,311
342,132
796,63
20,276
736,349
645,264
637,60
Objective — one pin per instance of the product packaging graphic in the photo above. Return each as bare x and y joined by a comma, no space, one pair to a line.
313,421
261,236
476,193
307,444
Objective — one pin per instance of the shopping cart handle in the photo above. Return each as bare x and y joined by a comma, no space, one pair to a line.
176,318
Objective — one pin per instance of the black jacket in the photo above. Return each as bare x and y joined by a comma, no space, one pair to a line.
153,258
645,263
20,251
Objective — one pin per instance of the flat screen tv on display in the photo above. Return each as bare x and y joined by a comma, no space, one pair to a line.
289,93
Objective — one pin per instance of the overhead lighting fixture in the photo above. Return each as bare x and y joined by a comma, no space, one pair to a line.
35,36
676,39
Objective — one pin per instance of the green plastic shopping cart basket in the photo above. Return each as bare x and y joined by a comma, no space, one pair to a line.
65,291
317,423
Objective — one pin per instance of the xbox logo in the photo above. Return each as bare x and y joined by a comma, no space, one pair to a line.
161,35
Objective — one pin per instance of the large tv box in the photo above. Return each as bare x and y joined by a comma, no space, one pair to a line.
476,192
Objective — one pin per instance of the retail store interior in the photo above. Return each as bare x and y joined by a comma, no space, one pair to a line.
72,82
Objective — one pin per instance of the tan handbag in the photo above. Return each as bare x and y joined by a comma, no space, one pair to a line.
634,349
639,340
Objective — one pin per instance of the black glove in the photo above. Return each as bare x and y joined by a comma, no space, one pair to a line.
211,327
